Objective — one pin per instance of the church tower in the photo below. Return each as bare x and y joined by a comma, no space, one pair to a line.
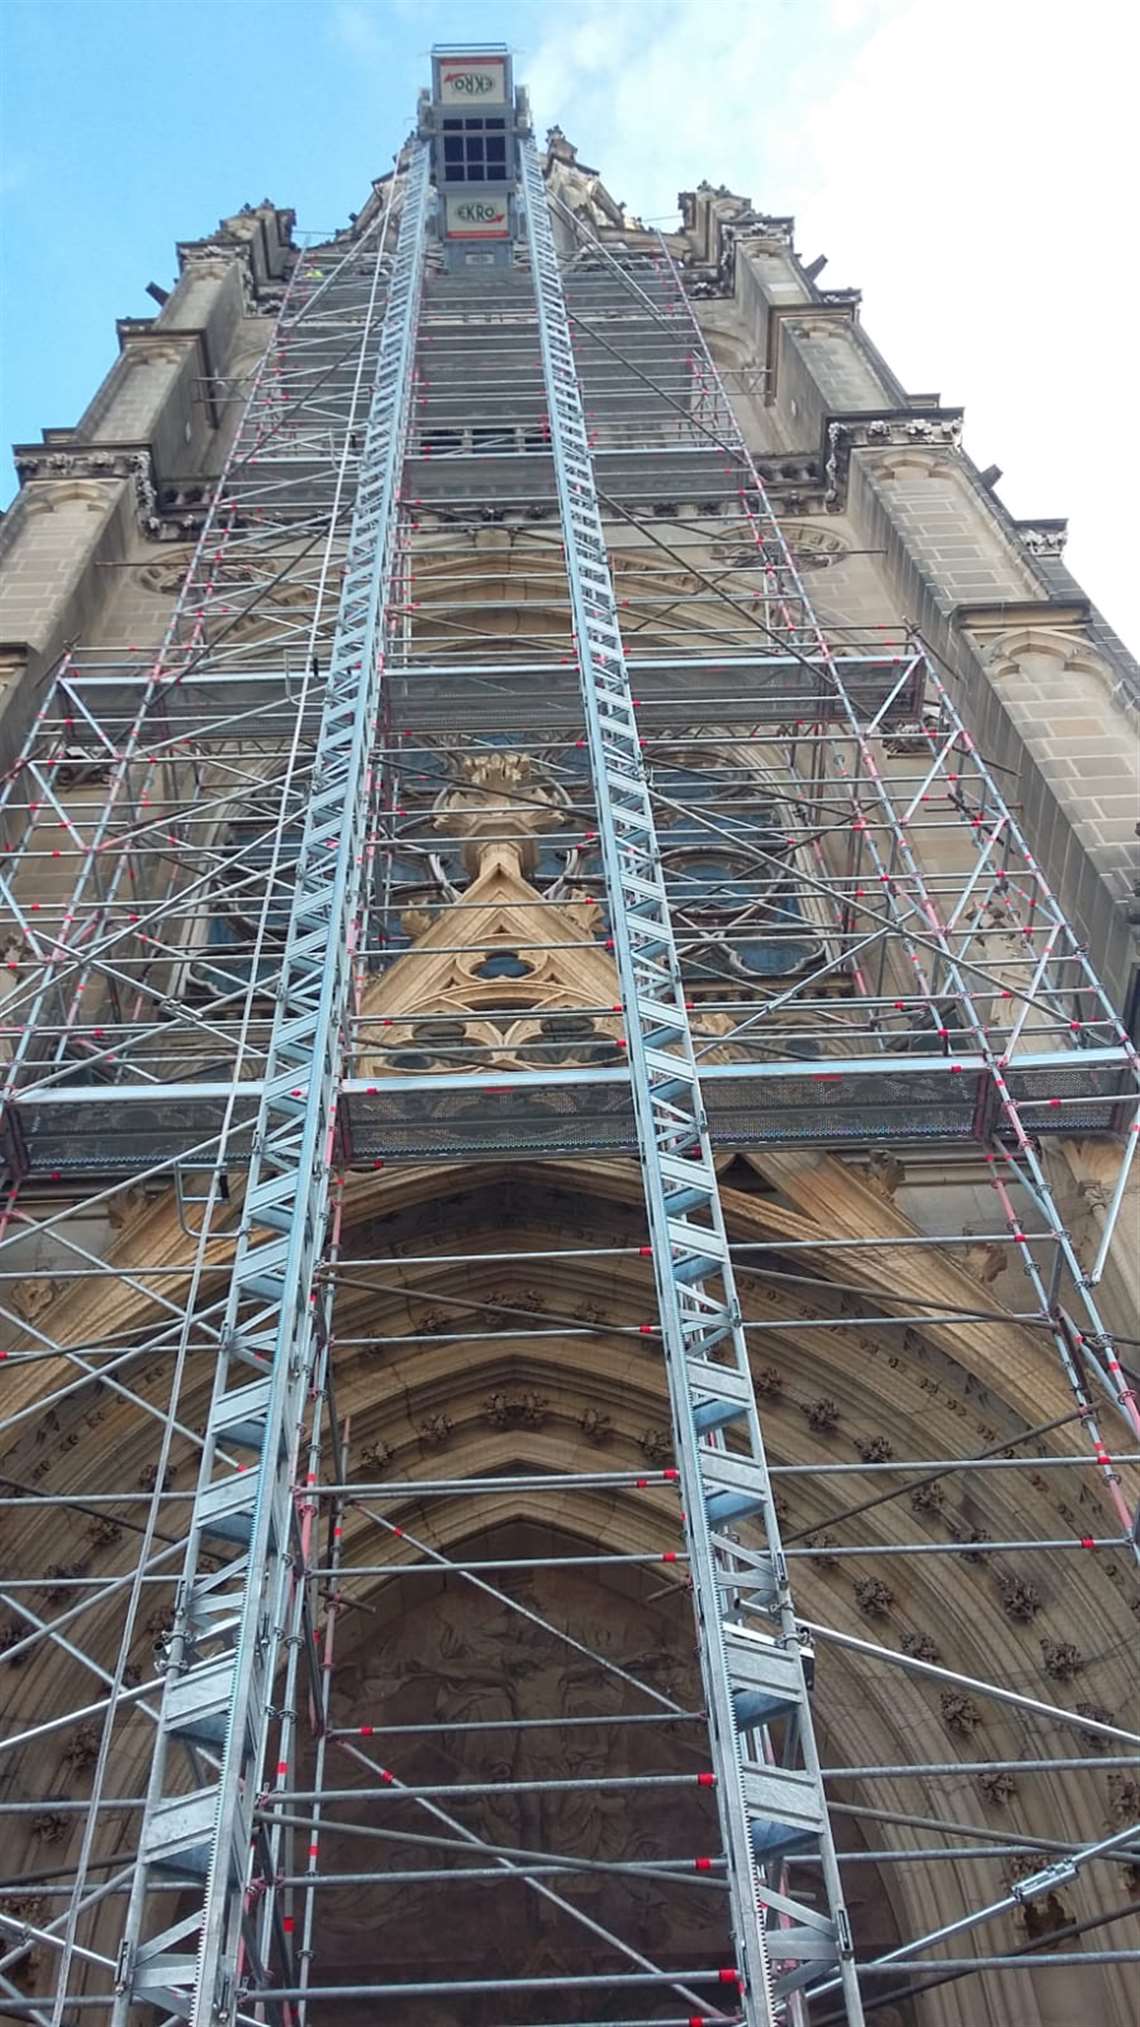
568,1250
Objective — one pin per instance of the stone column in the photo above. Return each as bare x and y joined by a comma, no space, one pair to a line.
87,491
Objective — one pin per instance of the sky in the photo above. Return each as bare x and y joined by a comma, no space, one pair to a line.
971,166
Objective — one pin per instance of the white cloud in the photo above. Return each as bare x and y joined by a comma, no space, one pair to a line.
971,167
357,29
15,174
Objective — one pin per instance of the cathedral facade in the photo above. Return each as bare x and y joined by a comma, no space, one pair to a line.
569,1239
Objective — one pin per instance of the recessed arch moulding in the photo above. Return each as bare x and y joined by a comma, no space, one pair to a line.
490,1321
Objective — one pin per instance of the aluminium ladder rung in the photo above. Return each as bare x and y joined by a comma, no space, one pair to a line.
721,1393
784,1809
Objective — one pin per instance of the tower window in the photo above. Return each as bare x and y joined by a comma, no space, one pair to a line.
475,151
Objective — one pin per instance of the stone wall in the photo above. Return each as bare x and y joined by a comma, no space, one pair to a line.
1045,685
91,500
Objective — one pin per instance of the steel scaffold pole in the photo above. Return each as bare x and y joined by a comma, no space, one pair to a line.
752,1680
229,1622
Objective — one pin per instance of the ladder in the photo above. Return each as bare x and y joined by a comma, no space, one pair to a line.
229,1627
756,1677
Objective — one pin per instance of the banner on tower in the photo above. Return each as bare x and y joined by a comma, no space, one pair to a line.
483,214
472,81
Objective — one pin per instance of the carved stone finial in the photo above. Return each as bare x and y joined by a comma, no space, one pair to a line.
885,1172
434,1323
1061,1659
921,1647
928,1499
997,1789
1020,1599
596,1428
986,1260
31,1298
1047,540
82,1749
875,1449
58,1574
1123,1799
1040,1913
960,1714
1098,1713
960,1529
589,1312
26,1906
822,1414
508,1411
558,148
823,1561
498,797
11,1633
50,1827
656,1446
873,1597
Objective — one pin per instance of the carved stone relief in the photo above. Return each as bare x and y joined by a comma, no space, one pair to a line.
460,1657
135,465
943,430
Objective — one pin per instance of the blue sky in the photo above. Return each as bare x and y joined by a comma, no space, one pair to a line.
129,124
970,165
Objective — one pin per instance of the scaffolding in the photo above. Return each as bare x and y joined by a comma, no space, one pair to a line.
496,800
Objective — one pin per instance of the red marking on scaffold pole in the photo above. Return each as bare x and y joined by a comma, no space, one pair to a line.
706,1780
